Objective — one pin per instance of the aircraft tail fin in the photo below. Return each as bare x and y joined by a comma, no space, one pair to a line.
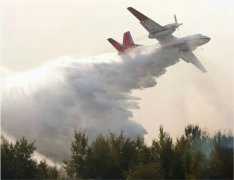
128,43
127,40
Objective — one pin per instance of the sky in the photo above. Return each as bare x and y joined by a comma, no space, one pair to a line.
34,32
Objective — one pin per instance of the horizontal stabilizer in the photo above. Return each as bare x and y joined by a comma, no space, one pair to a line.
116,45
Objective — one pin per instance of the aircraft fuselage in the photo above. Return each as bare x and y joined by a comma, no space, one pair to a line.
169,29
188,42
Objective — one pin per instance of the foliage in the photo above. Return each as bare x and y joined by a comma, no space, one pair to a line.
221,164
146,171
17,162
194,155
106,157
163,152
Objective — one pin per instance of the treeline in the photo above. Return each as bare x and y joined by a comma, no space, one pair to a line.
193,155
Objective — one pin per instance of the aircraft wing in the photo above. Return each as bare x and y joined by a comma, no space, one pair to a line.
189,57
150,25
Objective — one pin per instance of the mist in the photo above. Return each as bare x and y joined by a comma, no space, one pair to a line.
92,94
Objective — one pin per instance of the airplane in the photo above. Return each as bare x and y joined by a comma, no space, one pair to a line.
155,30
128,43
184,45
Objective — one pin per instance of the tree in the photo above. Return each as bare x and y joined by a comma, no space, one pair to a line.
163,152
221,163
46,172
179,166
17,162
107,156
194,155
146,171
77,166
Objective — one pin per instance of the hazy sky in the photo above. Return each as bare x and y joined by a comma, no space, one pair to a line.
36,31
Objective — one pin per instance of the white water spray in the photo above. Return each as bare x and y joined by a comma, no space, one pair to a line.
93,94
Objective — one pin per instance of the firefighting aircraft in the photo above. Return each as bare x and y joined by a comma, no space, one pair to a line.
163,34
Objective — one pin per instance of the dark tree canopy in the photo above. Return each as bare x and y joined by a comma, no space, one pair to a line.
193,155
17,162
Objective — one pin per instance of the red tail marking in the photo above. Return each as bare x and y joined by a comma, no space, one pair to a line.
127,40
116,45
127,43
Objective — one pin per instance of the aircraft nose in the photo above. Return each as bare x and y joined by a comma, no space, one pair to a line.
207,38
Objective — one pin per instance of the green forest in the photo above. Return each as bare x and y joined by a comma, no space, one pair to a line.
194,155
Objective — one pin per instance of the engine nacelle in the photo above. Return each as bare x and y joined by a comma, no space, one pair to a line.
161,33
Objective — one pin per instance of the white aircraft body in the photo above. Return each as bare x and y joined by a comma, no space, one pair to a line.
163,34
